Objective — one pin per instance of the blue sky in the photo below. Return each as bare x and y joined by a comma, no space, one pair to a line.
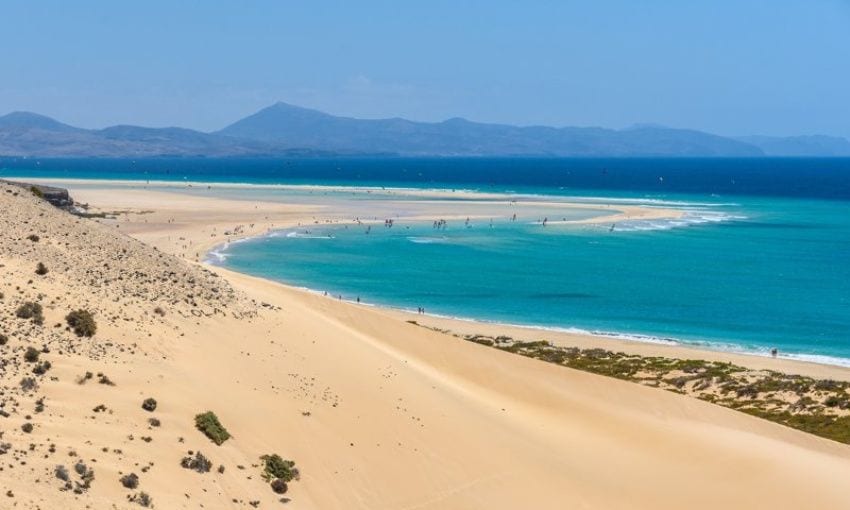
731,67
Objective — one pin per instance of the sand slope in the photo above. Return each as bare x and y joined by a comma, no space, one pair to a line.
377,413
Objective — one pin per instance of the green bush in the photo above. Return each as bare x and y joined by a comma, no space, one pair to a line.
82,322
275,467
32,354
279,486
831,401
130,481
42,368
208,424
149,404
31,310
28,384
41,269
143,499
62,473
199,463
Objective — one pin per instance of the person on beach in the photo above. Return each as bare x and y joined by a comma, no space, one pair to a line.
774,352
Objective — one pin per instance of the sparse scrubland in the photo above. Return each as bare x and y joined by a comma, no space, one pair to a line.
820,407
110,291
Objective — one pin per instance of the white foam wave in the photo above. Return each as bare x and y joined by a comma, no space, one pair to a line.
298,235
819,359
216,256
649,202
428,240
691,217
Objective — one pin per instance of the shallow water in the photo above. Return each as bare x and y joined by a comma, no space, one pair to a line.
761,258
763,273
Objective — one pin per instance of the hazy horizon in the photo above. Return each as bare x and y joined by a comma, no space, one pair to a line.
729,68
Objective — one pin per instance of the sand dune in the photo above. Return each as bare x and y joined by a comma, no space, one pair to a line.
376,412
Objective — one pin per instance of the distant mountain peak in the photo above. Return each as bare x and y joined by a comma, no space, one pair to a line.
284,104
456,120
29,120
286,107
647,125
276,122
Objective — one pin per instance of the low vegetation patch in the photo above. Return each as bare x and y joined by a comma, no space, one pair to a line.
278,472
208,424
149,405
130,481
28,384
32,311
279,486
276,467
817,406
42,368
197,462
41,269
142,499
61,472
31,354
86,477
81,322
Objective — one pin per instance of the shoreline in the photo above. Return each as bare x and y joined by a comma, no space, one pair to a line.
569,336
205,245
539,331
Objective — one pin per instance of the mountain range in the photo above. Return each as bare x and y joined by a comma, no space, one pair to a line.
287,130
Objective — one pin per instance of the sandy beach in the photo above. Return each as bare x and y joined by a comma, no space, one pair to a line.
376,412
190,225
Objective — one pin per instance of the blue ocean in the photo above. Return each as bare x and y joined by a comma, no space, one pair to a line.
760,258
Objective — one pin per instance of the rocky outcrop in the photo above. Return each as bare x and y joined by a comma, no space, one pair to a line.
58,197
